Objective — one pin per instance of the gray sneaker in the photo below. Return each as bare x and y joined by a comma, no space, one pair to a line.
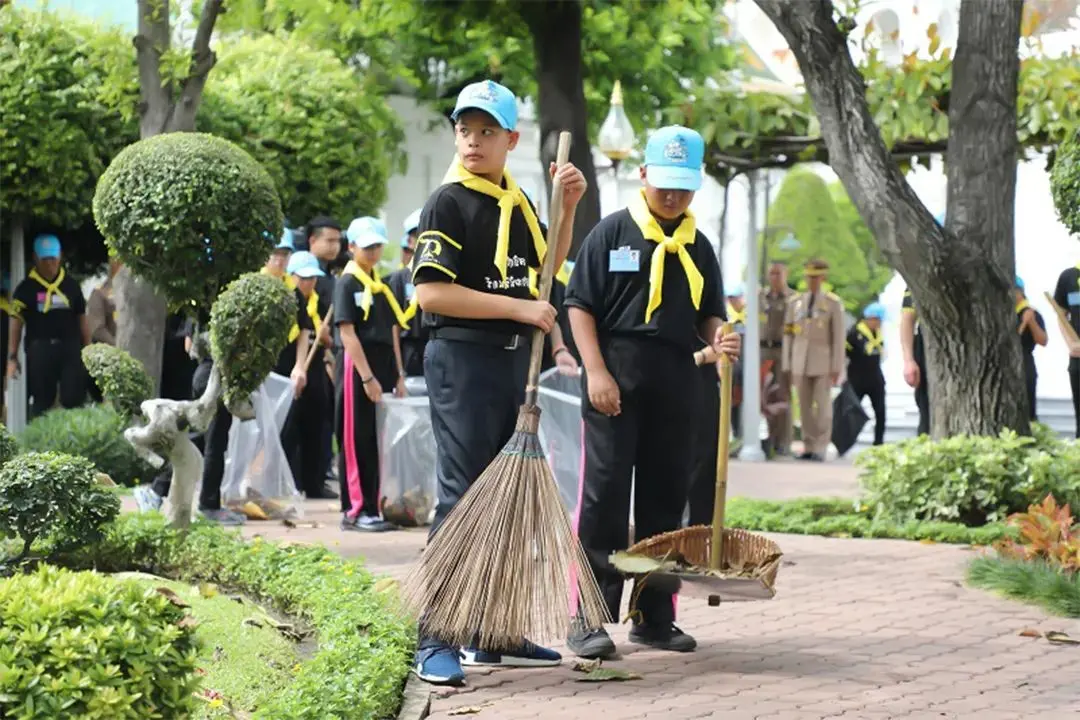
589,644
223,516
147,499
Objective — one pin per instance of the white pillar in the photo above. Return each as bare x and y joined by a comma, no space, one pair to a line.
751,366
15,402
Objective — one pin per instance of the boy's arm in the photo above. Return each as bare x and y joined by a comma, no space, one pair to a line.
583,326
907,327
355,350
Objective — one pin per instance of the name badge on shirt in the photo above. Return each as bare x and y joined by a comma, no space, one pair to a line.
410,290
624,260
1074,298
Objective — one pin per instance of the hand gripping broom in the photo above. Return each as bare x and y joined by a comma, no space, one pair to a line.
500,568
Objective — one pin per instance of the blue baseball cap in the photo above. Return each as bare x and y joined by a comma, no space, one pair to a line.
361,234
304,264
411,224
491,97
46,246
735,290
1019,283
874,310
673,158
286,241
369,223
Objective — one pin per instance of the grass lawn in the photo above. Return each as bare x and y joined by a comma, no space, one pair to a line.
244,660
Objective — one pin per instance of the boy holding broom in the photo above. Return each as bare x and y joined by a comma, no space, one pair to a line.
479,236
645,288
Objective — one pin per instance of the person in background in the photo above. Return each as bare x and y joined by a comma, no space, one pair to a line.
773,302
279,260
865,350
736,314
914,347
50,306
814,355
101,309
414,338
1032,330
408,240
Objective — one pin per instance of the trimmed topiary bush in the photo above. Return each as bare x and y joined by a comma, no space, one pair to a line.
9,448
122,379
53,497
188,212
249,327
86,646
95,432
1065,182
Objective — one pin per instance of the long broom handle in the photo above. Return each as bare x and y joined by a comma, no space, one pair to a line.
1070,334
722,447
315,339
555,216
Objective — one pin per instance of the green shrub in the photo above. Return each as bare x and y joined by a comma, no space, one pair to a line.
122,379
56,497
86,646
9,447
188,212
365,642
1065,182
249,327
96,432
972,480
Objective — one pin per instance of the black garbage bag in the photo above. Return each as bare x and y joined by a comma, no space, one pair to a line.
848,419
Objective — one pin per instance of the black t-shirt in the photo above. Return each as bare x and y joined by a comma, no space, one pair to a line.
287,358
61,320
864,349
401,284
1027,342
1067,295
350,298
618,299
456,243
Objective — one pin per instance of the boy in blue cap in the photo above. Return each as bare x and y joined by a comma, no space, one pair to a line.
479,236
1032,330
646,289
414,338
865,350
50,305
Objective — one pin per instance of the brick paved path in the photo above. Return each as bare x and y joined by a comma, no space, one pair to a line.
871,629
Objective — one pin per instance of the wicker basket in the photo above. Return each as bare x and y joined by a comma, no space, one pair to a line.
742,550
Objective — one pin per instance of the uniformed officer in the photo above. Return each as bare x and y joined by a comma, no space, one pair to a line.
773,303
50,305
646,288
865,351
479,235
914,347
413,339
814,355
1032,329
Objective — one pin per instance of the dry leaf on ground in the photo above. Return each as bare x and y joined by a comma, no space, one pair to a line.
1060,638
608,675
469,709
1030,632
587,665
172,597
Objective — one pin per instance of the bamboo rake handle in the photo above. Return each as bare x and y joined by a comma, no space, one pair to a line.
555,217
315,339
1066,326
722,449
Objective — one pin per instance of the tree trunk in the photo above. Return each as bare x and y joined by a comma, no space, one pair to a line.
961,275
556,33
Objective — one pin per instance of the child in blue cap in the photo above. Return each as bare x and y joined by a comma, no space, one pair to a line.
646,289
1032,330
414,338
865,350
478,238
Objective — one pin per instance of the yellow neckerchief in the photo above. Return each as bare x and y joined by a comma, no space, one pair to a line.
1022,305
736,317
51,288
313,313
286,278
509,198
374,286
562,276
6,307
684,235
874,341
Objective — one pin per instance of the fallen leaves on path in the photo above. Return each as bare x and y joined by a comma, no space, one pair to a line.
469,709
1056,637
594,672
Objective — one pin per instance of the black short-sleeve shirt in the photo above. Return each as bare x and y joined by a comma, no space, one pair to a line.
61,321
863,351
1067,295
456,243
349,301
287,358
1027,342
618,299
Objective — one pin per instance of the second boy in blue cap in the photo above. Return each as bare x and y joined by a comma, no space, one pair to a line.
1032,329
865,350
414,338
645,289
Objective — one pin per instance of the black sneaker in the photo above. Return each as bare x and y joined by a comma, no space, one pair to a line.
662,637
589,644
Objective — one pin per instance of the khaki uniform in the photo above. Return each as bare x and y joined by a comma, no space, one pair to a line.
773,321
813,351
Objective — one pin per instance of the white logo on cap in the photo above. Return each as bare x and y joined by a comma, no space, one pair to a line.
485,92
675,151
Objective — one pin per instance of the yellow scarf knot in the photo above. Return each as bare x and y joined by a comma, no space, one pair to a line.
509,197
736,317
51,288
374,286
312,310
875,341
676,244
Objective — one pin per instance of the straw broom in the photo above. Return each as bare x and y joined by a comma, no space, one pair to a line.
499,569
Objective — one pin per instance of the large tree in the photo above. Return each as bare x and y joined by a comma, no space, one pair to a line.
960,274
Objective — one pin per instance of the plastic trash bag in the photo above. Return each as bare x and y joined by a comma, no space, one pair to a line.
407,448
258,481
849,418
559,398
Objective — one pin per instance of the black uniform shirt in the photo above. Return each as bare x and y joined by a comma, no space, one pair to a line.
349,300
1067,295
287,358
618,299
60,321
864,351
457,236
1027,342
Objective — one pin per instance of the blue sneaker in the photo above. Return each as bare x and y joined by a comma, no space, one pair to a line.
527,655
439,665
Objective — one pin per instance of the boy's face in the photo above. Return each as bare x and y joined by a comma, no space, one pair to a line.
873,323
737,301
278,261
367,257
814,282
482,144
306,285
666,204
325,243
48,267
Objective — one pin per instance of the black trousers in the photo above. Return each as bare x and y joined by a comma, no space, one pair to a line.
412,356
651,441
302,436
1074,384
213,443
357,434
874,386
1031,379
703,473
922,392
51,364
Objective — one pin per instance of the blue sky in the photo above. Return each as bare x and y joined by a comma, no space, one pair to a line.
110,12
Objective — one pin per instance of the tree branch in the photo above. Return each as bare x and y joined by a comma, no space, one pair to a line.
151,40
203,60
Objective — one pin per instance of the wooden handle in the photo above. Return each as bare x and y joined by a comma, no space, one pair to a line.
723,444
1070,333
547,271
315,339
